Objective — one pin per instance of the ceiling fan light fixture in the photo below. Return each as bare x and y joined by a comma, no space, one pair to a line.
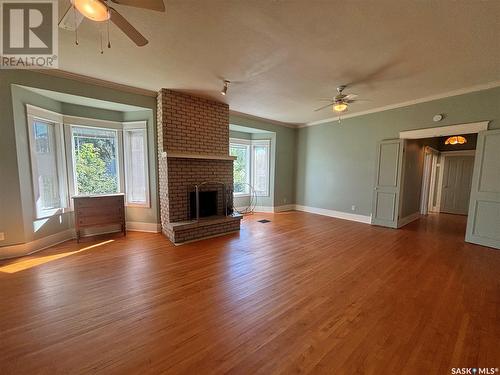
95,10
339,107
455,140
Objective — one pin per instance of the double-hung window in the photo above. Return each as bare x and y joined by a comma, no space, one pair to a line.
136,163
241,166
95,160
251,167
47,163
260,166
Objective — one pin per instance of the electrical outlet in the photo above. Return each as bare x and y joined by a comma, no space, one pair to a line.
285,200
2,236
353,208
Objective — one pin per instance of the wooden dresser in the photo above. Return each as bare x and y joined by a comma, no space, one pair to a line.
99,211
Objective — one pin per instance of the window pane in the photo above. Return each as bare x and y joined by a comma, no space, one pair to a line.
261,169
45,168
135,143
95,160
240,168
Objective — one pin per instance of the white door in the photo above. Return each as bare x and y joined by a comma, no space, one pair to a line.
386,192
457,180
483,223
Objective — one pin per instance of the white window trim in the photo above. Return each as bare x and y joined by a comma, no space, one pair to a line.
33,113
71,147
250,143
136,125
266,143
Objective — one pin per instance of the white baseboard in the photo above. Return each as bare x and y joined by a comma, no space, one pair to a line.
137,226
31,247
285,207
270,209
264,209
408,219
23,249
337,214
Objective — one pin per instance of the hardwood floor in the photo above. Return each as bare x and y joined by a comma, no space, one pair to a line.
302,294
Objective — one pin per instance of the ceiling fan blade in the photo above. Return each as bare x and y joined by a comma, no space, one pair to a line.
325,106
350,97
157,5
71,19
358,100
326,99
127,28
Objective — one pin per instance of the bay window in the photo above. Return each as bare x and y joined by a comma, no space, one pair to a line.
251,167
80,156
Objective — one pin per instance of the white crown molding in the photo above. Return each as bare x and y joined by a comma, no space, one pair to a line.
262,119
96,81
336,214
442,131
408,103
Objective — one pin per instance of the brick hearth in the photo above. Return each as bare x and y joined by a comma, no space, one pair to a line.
193,145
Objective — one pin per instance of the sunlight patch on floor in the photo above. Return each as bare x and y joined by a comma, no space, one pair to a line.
33,262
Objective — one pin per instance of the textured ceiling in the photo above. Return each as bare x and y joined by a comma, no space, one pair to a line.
285,55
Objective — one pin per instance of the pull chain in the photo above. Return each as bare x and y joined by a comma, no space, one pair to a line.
100,37
76,28
109,41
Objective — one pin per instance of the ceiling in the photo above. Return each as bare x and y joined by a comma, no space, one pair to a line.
284,55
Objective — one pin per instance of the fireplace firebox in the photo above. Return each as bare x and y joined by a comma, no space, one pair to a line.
208,203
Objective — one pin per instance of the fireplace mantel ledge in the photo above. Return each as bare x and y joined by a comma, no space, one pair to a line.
183,155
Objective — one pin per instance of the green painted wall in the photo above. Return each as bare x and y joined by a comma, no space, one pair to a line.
284,181
335,165
15,187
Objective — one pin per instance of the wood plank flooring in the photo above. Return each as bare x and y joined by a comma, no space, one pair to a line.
301,294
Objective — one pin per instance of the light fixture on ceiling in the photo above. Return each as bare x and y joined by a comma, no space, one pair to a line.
225,87
92,9
340,107
455,140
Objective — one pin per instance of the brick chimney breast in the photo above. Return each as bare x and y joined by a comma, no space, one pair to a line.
193,146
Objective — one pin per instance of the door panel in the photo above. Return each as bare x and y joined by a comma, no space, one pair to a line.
457,179
483,224
387,188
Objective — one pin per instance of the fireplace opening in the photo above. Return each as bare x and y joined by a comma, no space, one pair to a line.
208,203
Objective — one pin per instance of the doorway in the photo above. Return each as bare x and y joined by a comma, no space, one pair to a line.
433,171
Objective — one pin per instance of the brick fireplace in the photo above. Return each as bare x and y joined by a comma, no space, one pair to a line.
193,146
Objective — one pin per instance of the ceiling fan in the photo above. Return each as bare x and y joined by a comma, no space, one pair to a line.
340,102
101,11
